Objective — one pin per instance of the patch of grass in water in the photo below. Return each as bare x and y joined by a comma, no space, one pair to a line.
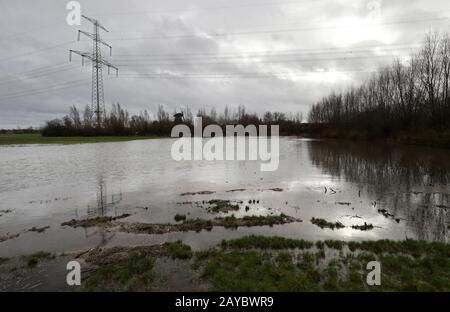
322,223
178,250
364,227
35,258
221,205
249,271
248,265
93,221
261,263
253,270
233,222
39,230
320,245
134,274
3,212
180,217
334,244
199,223
3,260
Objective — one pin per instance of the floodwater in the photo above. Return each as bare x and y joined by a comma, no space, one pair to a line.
402,190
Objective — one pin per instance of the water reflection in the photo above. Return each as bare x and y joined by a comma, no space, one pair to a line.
403,191
104,205
409,184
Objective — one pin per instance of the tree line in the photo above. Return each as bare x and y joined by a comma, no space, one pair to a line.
407,95
119,122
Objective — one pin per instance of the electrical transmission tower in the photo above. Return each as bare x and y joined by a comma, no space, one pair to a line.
98,101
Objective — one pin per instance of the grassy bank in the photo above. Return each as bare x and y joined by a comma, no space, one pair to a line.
423,137
430,138
35,138
257,263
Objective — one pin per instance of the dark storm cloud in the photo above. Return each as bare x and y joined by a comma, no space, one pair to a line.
268,55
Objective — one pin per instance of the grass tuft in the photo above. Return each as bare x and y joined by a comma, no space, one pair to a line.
180,217
322,223
35,258
178,250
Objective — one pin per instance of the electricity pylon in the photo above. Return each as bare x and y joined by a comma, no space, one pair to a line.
98,100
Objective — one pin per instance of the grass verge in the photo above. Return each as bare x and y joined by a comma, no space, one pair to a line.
20,139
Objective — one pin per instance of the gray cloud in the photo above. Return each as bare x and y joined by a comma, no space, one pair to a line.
268,55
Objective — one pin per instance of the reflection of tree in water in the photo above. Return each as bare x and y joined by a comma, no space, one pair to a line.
405,180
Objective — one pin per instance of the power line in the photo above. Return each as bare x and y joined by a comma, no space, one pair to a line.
25,32
37,51
97,95
240,5
222,35
334,50
134,63
52,69
239,74
40,68
187,36
62,86
36,75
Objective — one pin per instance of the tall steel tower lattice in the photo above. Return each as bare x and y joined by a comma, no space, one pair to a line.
98,97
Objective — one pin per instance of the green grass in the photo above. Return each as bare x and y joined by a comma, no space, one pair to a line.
255,270
178,250
322,223
406,266
221,205
19,139
35,258
334,244
410,247
134,274
231,222
261,263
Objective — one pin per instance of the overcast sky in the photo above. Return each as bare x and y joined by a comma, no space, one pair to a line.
266,54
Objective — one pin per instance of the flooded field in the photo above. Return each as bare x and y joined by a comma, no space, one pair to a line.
372,191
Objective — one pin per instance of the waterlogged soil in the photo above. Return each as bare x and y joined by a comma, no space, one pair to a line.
251,263
128,193
196,225
98,221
